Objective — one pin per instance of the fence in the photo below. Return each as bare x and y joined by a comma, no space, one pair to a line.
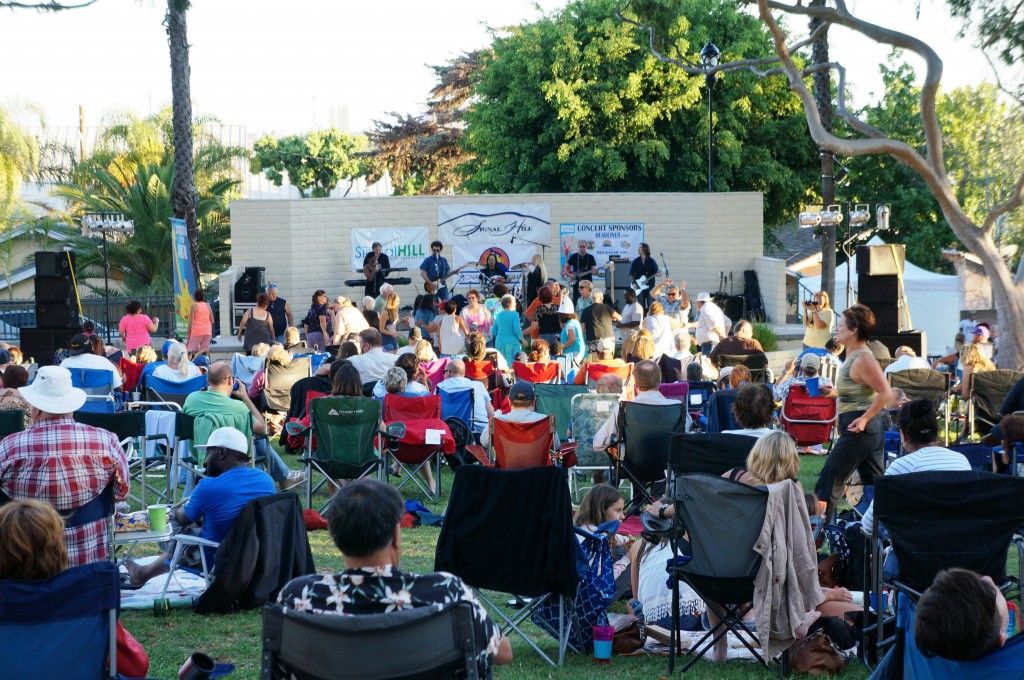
14,314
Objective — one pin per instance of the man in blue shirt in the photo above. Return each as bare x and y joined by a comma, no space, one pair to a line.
216,502
435,269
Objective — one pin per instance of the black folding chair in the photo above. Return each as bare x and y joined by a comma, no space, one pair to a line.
925,383
757,363
11,422
645,434
710,454
988,391
130,429
279,381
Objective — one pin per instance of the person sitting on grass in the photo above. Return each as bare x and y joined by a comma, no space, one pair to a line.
365,525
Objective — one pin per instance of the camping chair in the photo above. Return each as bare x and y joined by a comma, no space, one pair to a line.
181,455
757,363
522,445
808,420
170,392
132,373
98,386
316,360
556,400
486,373
938,520
460,404
300,644
538,372
645,433
511,531
266,547
589,412
347,442
723,520
11,422
62,627
988,391
925,383
245,367
130,429
680,391
279,381
420,415
709,454
434,370
719,411
700,397
595,372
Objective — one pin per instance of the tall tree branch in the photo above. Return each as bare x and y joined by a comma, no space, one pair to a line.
52,6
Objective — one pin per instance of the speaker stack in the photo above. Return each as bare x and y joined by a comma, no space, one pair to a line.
879,270
57,317
620,282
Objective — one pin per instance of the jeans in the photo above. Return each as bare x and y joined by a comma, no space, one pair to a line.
706,348
275,466
861,451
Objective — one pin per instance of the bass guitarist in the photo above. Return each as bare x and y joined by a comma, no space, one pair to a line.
643,267
435,271
579,267
375,268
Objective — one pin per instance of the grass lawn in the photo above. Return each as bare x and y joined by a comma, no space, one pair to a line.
235,638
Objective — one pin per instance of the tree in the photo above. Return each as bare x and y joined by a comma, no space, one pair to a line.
314,162
46,6
576,102
19,156
999,27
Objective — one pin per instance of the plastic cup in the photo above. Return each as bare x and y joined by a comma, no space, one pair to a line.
812,387
197,667
157,517
603,636
874,602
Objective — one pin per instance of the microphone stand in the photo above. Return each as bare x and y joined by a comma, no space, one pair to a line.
543,253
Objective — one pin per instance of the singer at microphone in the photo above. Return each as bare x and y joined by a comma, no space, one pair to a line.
434,272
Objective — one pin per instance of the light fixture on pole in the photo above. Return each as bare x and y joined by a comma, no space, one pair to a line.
106,223
709,55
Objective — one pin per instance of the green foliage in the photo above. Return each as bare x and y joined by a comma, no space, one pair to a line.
19,155
576,102
998,26
315,162
765,335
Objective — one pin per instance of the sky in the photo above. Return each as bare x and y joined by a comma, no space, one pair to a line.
279,66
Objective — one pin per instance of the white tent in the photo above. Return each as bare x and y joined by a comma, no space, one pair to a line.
933,299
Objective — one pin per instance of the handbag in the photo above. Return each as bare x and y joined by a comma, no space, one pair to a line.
629,637
816,655
827,571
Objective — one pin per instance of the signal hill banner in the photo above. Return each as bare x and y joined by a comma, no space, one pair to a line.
404,246
511,232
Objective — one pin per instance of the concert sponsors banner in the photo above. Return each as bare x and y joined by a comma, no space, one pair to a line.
605,240
184,278
404,246
511,232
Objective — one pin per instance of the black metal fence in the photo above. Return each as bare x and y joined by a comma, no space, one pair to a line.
14,314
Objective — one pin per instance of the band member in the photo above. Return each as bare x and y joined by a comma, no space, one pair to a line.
493,268
643,267
579,267
434,270
375,268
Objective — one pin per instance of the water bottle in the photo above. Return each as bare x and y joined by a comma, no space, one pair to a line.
638,609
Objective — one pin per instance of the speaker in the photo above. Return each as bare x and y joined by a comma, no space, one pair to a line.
621,278
734,306
916,340
881,260
41,343
873,290
887,318
54,264
57,315
249,284
54,289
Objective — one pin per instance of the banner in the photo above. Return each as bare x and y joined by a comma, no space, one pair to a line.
404,246
511,232
605,240
184,279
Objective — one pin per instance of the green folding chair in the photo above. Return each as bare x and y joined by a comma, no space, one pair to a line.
11,422
130,429
556,400
589,413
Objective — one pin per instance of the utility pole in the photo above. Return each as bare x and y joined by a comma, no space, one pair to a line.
823,99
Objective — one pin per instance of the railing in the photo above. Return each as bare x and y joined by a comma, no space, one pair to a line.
14,314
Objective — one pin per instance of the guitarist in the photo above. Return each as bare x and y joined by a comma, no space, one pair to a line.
435,270
646,267
375,268
579,267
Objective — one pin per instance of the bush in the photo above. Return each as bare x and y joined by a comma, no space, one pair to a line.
764,334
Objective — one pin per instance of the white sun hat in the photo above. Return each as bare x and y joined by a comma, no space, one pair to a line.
566,306
53,392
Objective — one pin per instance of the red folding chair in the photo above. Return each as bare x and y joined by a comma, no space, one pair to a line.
483,372
420,415
595,372
132,373
522,445
537,372
809,420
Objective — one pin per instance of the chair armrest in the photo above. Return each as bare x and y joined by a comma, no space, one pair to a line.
188,539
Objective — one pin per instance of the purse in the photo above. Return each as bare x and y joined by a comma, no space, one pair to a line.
630,637
828,572
816,655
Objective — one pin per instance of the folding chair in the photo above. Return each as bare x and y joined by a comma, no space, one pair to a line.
316,359
700,397
588,413
419,414
510,531
347,442
298,644
538,372
486,373
130,429
556,400
595,372
938,520
11,422
757,363
279,381
169,392
988,390
522,445
719,411
63,627
709,454
181,455
808,420
680,391
434,370
98,386
925,383
132,373
245,367
645,434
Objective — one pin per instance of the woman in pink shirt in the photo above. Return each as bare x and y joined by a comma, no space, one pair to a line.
200,325
135,326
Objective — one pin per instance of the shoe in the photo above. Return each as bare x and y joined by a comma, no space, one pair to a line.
294,478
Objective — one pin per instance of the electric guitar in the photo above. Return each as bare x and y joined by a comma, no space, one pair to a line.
573,277
432,286
645,282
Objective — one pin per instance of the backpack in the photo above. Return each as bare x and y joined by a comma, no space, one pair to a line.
847,543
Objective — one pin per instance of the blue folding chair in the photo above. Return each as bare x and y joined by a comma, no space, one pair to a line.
170,392
316,359
63,627
245,368
459,404
99,387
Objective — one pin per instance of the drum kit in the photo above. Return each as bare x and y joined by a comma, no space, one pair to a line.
514,279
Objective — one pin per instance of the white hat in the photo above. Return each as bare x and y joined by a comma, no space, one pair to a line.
566,307
704,296
53,392
227,438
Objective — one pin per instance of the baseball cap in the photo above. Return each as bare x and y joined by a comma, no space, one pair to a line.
982,332
79,344
227,438
271,286
522,391
810,360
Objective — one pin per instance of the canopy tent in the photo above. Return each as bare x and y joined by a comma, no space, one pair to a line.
933,299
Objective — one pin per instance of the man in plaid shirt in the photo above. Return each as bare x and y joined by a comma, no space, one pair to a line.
63,462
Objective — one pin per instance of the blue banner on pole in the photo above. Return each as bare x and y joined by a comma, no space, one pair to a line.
184,280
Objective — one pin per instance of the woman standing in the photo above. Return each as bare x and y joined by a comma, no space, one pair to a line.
819,319
257,324
475,314
451,331
135,327
389,321
508,332
425,314
863,393
660,326
545,316
200,325
317,322
571,337
537,277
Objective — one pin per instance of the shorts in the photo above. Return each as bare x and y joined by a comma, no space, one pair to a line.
197,344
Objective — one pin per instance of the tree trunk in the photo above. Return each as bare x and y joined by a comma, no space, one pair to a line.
185,197
823,100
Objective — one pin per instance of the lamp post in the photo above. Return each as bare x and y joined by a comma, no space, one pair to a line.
106,223
709,55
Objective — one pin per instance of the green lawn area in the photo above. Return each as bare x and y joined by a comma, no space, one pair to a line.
235,638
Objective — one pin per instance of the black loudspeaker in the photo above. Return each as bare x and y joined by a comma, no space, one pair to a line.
621,278
55,264
887,318
915,340
249,284
57,315
872,290
881,260
54,289
734,306
41,343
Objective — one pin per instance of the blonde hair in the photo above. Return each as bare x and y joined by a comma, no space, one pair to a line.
145,355
291,335
971,356
655,309
538,262
643,346
424,350
774,458
32,536
824,299
179,353
260,349
279,355
391,307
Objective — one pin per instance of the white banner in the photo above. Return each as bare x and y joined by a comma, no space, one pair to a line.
404,246
604,240
512,232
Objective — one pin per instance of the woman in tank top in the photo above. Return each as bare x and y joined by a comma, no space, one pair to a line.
863,392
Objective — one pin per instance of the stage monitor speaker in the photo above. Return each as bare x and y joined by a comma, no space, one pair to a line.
887,318
249,284
872,290
40,344
621,276
734,306
57,315
54,264
915,340
54,289
881,260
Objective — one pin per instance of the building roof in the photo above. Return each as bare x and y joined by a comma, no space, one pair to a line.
796,246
